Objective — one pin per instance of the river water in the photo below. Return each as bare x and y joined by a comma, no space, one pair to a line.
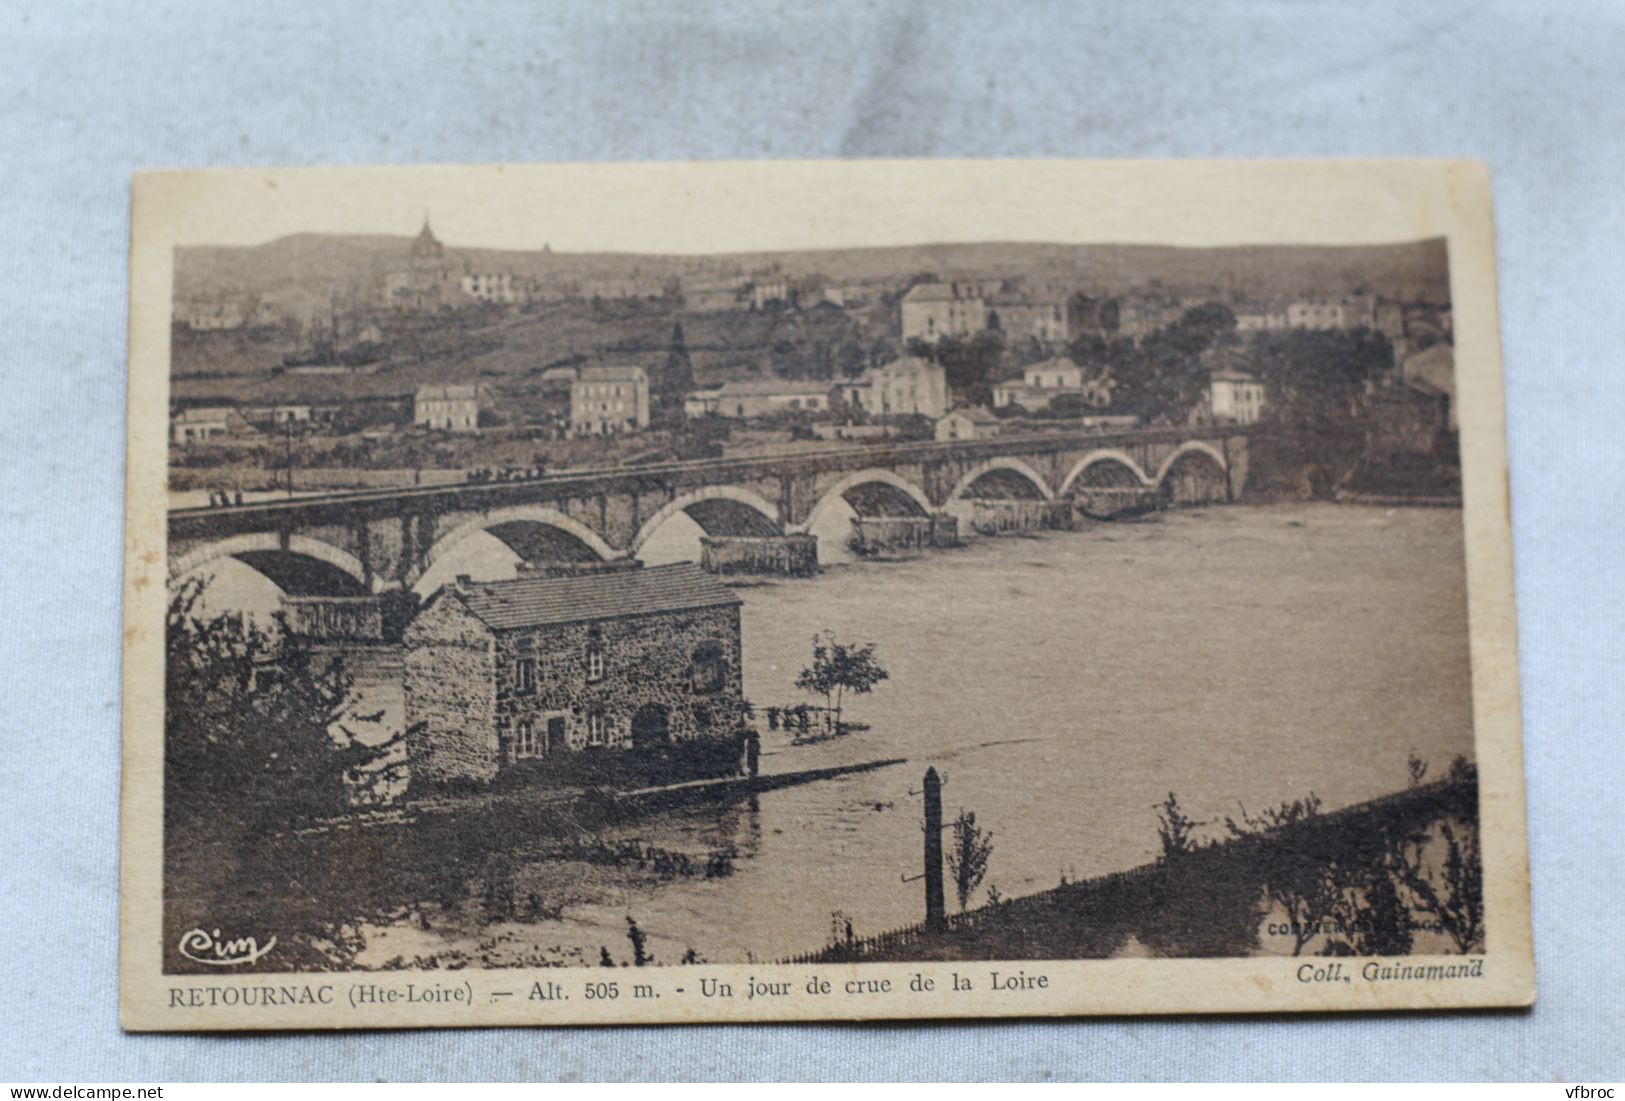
1063,685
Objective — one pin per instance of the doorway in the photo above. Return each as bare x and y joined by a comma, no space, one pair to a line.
650,725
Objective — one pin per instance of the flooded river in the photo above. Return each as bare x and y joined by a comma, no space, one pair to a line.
1063,685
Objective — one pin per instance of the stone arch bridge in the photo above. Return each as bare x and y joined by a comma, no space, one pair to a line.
378,541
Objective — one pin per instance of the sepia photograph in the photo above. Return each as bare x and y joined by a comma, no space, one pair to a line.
585,605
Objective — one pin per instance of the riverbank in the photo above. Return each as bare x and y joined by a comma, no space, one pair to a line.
1217,900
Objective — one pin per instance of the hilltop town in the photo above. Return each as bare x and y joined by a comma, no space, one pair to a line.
314,363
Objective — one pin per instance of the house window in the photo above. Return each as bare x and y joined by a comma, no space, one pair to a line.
524,675
524,740
709,670
595,661
596,728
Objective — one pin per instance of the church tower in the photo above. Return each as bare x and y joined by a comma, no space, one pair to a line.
427,246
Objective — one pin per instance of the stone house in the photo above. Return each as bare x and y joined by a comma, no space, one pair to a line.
974,423
931,311
605,401
451,408
1233,397
198,424
509,673
1042,383
752,398
907,387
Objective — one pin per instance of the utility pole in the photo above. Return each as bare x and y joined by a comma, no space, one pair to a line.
935,914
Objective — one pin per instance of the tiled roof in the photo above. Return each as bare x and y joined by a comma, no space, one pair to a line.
539,601
447,393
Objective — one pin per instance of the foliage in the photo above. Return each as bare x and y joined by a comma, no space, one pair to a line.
838,668
677,375
1299,884
970,364
641,956
1165,374
1314,387
259,732
968,853
1175,829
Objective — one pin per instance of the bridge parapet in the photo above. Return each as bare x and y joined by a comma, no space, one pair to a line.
388,538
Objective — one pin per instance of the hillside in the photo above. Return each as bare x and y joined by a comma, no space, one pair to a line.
317,263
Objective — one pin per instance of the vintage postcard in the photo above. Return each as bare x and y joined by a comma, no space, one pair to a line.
829,590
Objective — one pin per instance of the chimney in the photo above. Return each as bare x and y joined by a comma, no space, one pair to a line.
464,582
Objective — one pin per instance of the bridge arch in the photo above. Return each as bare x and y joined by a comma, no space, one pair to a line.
1187,448
836,495
1018,467
574,538
258,550
1195,474
1096,457
863,492
744,498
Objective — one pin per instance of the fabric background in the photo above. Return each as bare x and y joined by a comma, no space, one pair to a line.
92,92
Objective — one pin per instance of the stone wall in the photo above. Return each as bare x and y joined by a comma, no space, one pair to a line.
872,534
989,517
648,662
794,555
448,674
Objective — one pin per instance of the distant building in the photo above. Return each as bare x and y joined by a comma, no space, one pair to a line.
515,673
1042,383
702,403
1255,317
1360,310
906,387
491,287
974,423
218,313
765,397
608,400
1141,314
1435,365
425,282
1233,397
1389,320
278,415
558,378
846,296
1316,314
1405,418
1035,317
931,311
768,292
451,408
204,423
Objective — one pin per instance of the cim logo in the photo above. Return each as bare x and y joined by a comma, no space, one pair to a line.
207,947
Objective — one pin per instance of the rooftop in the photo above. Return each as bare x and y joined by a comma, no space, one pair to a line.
448,393
541,601
613,374
204,413
772,386
941,292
